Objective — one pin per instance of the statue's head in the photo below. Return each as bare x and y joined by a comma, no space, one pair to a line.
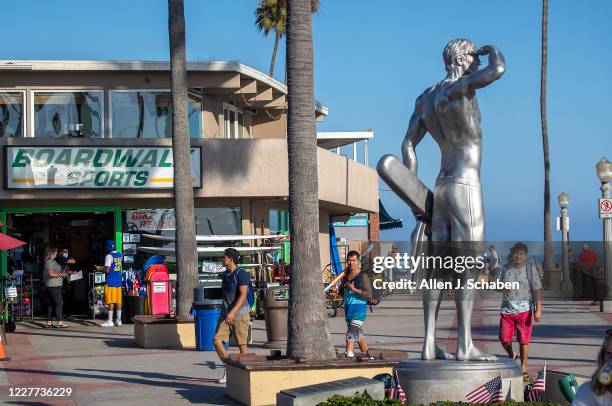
457,54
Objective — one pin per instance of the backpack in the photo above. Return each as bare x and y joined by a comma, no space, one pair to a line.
251,294
376,293
376,297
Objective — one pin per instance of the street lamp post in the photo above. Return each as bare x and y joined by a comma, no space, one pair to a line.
563,199
604,173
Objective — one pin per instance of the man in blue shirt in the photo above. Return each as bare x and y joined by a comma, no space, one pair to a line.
235,318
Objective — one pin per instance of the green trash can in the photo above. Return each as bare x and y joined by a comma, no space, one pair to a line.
568,386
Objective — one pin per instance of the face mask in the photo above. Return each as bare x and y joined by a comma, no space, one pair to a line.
65,254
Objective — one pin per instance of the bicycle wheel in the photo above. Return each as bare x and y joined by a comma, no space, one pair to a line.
338,300
330,304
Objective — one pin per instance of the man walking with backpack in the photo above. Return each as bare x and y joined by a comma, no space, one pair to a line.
357,295
235,319
520,307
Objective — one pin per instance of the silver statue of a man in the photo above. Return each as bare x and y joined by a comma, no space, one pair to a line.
449,112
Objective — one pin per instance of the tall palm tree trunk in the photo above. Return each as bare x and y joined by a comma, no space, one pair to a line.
543,78
308,336
272,63
186,249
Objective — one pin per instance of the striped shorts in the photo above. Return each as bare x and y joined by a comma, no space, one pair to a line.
354,330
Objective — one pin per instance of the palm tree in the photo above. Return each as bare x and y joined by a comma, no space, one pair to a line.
186,249
271,15
308,336
543,118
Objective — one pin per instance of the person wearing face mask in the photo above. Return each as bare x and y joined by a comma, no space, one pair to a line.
54,281
66,261
598,391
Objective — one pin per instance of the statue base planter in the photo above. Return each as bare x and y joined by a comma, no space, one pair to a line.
256,380
425,382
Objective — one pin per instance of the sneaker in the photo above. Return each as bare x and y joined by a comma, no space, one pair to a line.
349,354
118,323
223,379
108,323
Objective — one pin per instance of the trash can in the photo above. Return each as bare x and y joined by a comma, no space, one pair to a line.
132,306
207,307
206,319
276,307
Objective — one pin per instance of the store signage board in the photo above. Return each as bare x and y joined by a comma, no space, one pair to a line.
151,220
357,220
605,208
48,167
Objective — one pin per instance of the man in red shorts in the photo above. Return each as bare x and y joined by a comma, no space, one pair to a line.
521,305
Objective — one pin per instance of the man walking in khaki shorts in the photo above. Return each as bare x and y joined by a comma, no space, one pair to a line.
235,317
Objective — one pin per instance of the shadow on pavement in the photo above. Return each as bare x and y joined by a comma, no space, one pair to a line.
66,332
211,365
122,343
195,390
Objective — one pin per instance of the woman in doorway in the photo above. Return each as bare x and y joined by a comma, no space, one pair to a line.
54,282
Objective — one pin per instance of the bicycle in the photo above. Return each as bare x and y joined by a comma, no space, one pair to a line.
333,297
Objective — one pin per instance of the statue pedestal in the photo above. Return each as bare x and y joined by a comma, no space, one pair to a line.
425,382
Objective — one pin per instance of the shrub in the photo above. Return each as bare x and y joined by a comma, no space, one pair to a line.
365,400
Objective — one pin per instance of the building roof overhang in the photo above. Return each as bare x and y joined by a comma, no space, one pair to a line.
336,139
246,72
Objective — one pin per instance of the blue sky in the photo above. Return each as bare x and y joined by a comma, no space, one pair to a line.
370,65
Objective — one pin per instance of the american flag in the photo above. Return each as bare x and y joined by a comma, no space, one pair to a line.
396,391
490,392
535,391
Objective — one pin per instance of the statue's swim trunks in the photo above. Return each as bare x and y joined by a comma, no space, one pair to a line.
458,212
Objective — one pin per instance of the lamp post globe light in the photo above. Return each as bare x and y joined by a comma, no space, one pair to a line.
604,173
563,199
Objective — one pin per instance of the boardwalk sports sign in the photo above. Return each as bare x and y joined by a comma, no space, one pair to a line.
94,167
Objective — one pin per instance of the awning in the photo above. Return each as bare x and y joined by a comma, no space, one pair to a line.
8,243
386,221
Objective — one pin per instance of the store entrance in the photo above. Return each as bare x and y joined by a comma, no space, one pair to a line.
82,233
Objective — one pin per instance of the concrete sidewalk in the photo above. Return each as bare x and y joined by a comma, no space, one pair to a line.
103,365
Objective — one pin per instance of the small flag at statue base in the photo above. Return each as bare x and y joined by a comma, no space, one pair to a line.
489,392
396,391
535,391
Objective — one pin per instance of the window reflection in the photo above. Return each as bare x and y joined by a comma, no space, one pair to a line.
68,114
11,114
148,114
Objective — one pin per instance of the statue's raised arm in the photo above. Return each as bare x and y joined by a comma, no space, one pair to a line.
483,77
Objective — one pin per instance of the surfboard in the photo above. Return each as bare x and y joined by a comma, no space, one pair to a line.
207,251
217,238
406,185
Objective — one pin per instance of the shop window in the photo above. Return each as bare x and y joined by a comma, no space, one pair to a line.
234,121
208,220
11,114
218,221
148,114
279,221
66,114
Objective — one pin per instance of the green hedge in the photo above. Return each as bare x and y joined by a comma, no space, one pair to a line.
365,400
